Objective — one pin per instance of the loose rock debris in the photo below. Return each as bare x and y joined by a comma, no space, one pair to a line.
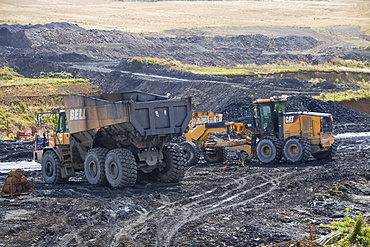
253,205
239,206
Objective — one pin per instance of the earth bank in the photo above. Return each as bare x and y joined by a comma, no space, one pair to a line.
220,204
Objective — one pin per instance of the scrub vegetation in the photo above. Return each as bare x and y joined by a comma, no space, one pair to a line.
281,68
22,97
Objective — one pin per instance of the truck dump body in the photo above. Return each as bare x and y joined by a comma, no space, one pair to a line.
149,114
124,120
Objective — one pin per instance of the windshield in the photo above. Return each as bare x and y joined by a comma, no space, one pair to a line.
63,123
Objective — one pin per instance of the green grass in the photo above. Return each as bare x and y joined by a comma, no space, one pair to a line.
349,63
40,82
348,233
254,70
149,61
10,78
251,70
350,95
7,73
334,65
21,98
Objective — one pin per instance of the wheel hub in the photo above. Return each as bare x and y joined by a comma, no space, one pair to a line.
49,169
266,151
293,151
92,169
113,170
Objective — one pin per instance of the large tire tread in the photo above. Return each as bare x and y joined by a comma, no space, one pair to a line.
192,153
97,155
329,154
275,144
219,156
304,145
51,160
175,160
126,173
333,150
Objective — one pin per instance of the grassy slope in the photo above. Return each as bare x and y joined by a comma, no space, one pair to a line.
266,70
212,17
21,98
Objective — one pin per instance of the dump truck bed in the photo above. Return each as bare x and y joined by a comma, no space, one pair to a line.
148,114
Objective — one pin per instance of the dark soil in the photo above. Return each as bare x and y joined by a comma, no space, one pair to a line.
215,205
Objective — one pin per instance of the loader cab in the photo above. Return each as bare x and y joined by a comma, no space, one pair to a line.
52,128
62,123
266,113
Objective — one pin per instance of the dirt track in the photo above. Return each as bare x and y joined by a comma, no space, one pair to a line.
222,204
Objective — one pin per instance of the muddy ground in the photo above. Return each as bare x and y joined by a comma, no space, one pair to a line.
215,205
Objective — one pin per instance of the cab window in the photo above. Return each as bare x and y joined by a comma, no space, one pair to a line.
62,123
263,116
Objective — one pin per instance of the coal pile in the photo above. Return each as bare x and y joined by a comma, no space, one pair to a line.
56,33
16,151
59,41
341,114
31,49
216,204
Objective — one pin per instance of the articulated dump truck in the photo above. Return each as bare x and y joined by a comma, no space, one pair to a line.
113,137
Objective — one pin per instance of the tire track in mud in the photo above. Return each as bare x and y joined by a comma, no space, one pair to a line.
172,216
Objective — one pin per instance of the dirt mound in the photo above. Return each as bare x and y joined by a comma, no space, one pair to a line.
56,33
59,42
16,151
219,204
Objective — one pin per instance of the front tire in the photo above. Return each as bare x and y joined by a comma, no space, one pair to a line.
51,168
219,155
269,150
95,166
120,168
175,161
192,153
297,149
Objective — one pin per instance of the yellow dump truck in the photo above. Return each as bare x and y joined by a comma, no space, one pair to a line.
112,137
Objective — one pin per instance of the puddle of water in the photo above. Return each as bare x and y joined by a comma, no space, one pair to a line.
14,214
5,167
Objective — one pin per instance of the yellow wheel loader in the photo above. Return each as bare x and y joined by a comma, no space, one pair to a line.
270,134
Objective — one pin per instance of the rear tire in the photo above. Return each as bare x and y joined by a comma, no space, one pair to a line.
192,153
219,155
175,160
120,168
95,166
297,149
269,150
51,168
327,154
